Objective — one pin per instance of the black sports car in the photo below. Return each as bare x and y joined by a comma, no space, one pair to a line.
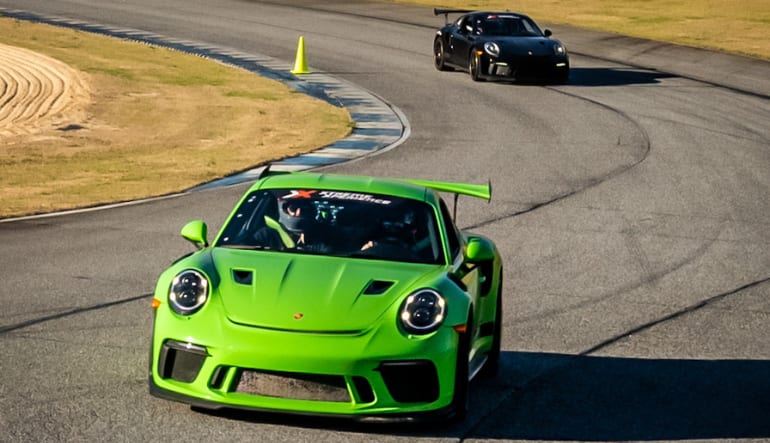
499,45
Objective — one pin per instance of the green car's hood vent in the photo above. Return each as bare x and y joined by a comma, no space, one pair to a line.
310,293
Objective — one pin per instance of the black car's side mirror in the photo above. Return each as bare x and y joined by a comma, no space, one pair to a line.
547,33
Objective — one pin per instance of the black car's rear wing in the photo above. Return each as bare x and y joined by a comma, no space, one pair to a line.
446,12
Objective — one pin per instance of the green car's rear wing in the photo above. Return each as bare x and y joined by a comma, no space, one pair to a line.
473,190
479,191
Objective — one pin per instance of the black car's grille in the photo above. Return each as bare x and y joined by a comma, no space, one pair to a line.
292,385
524,66
535,64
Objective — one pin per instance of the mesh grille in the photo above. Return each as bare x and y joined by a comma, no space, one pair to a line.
293,385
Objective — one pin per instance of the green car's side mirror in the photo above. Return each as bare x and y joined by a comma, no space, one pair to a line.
196,232
479,250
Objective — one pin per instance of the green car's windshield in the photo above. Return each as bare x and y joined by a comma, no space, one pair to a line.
338,223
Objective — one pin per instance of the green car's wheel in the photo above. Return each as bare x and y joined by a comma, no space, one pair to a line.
461,398
492,365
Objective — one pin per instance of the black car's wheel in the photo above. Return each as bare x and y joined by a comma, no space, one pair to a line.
461,397
492,365
439,56
474,67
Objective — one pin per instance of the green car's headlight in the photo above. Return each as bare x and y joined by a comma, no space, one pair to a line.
423,312
189,291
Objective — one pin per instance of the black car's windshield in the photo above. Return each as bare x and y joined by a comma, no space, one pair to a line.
339,223
506,26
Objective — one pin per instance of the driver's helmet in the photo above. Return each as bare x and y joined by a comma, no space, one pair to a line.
297,215
402,227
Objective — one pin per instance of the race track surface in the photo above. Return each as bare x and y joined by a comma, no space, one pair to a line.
630,206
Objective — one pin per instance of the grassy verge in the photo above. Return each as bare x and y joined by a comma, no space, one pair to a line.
739,26
158,121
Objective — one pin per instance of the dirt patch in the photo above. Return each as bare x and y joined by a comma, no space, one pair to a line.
38,93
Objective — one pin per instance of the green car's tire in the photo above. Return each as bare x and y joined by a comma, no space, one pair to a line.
492,365
461,397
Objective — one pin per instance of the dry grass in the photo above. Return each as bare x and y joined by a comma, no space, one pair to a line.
739,26
158,122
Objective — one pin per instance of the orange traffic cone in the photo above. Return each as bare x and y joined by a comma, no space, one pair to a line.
300,65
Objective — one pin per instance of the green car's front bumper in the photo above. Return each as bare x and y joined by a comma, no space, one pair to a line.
376,372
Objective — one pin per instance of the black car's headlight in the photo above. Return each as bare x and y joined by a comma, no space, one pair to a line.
559,49
189,291
423,312
492,49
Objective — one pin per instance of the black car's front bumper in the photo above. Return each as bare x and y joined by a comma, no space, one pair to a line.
529,67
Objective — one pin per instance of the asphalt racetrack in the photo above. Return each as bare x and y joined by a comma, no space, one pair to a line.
631,207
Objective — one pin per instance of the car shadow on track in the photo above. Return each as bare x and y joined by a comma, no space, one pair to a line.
596,77
566,397
543,396
615,77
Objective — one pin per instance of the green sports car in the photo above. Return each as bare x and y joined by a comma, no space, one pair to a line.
331,295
